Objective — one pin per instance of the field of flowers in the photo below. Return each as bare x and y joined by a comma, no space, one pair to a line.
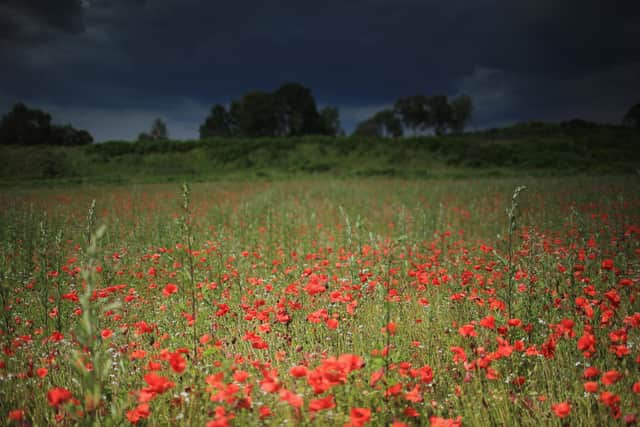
322,302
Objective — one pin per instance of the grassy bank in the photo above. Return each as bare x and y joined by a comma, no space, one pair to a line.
530,149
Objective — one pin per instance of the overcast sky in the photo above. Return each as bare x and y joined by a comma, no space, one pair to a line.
112,66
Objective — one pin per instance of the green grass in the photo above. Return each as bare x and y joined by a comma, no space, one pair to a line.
518,151
428,256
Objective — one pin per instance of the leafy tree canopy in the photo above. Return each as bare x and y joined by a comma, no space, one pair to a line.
26,126
288,111
158,132
384,123
632,117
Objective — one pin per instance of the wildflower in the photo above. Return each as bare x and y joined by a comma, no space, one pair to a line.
607,264
562,410
293,399
157,383
323,403
488,322
58,395
611,377
467,330
139,412
16,415
298,371
445,422
332,323
169,289
359,416
177,362
375,377
591,372
591,387
264,412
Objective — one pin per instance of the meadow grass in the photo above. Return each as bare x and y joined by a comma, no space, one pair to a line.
322,302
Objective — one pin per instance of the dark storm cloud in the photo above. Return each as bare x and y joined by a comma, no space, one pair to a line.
28,21
520,60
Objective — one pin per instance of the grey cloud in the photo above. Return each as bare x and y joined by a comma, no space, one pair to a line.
492,91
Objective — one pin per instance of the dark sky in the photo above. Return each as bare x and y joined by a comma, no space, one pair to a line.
112,66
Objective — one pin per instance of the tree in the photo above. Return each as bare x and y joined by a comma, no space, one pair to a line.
67,135
158,132
367,128
440,113
256,115
330,121
220,122
384,123
25,126
461,109
296,111
414,112
632,118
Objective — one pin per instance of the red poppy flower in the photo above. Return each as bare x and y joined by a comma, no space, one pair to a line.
488,322
138,413
591,387
445,422
58,395
157,383
467,330
298,371
359,416
591,372
611,377
177,362
375,377
16,415
323,403
240,376
332,323
169,289
562,410
265,412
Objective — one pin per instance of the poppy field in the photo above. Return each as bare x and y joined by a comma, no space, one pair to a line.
378,301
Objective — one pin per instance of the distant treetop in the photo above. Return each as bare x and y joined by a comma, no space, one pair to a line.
25,126
632,118
288,111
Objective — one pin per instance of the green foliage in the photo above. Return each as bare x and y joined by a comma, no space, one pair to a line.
288,111
419,112
520,150
632,117
256,114
424,256
461,110
158,132
384,123
25,126
296,111
219,123
330,122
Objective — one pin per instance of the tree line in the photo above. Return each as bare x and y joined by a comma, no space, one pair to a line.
419,113
26,126
290,110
